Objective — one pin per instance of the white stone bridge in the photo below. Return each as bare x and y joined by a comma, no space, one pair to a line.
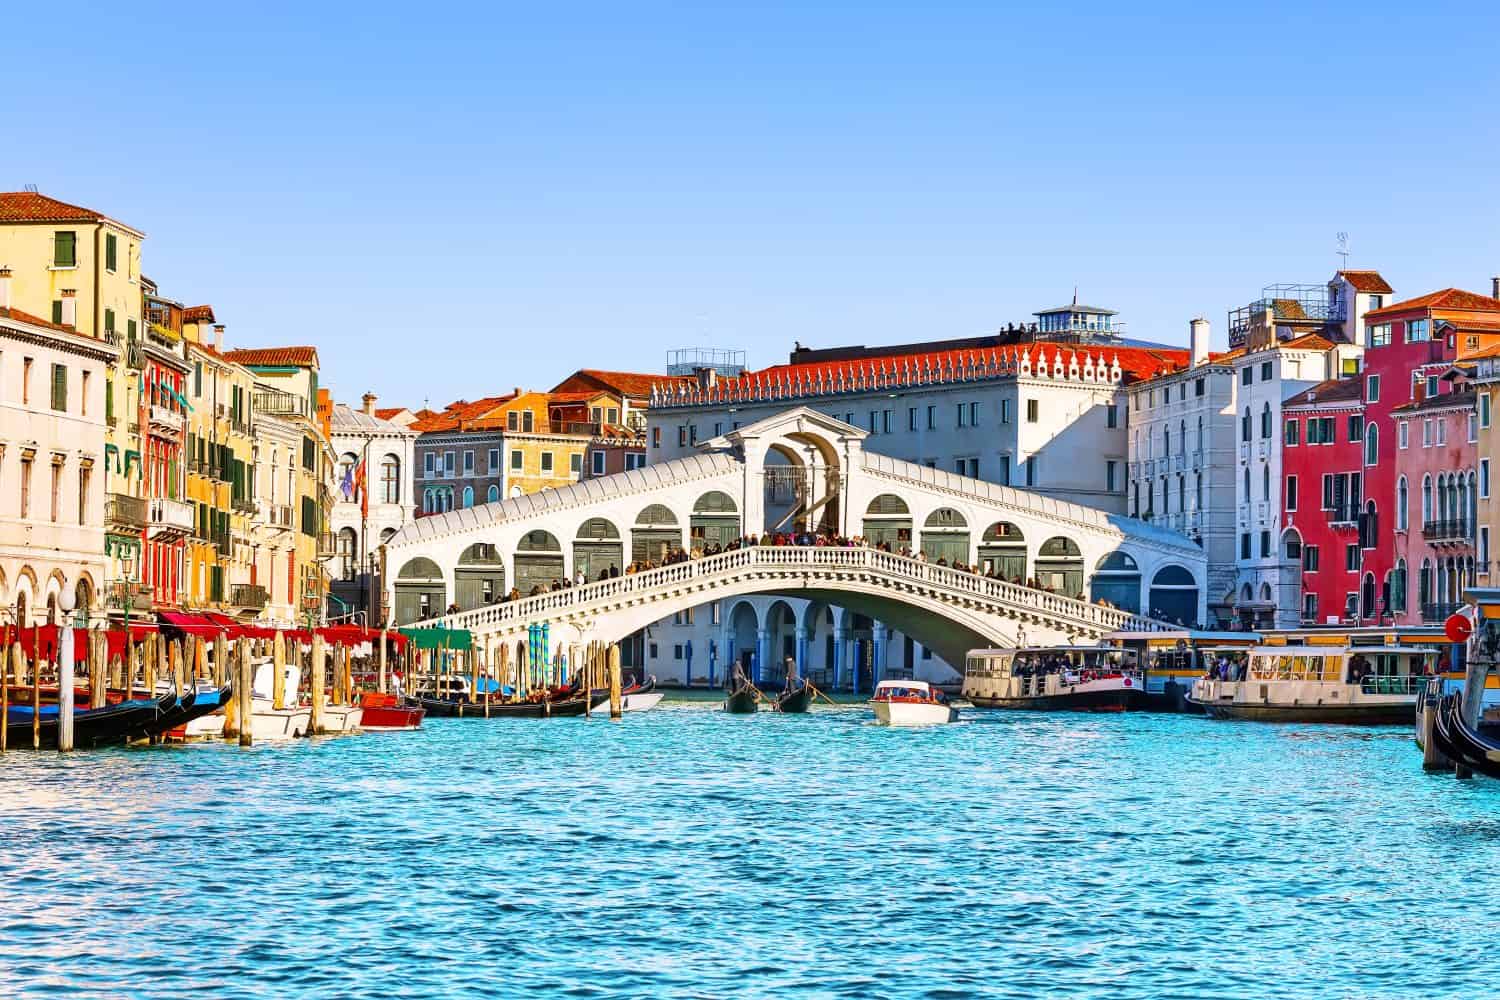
799,470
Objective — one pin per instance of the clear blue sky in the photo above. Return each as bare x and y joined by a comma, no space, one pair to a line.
450,201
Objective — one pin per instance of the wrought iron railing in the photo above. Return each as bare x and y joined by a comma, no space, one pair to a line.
125,511
248,595
1448,530
1439,611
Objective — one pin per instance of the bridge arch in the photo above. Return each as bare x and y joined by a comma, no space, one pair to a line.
479,576
1002,552
538,561
598,550
887,523
655,533
743,636
945,536
420,591
1059,566
1117,581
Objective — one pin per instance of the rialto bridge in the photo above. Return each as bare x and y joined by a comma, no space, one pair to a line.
799,471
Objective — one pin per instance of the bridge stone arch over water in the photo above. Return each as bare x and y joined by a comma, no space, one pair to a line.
798,470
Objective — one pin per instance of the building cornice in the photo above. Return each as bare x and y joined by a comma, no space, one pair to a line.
74,343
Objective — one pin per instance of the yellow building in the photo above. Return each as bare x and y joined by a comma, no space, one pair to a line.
1486,380
81,269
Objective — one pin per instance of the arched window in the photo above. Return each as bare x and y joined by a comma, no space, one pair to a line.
468,496
1200,433
1473,507
1247,483
1166,440
1424,584
1245,425
1182,437
1401,504
1367,597
347,544
493,494
1426,500
1265,482
1265,420
1372,444
390,479
1398,587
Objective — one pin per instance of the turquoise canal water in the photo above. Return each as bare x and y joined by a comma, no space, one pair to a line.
683,853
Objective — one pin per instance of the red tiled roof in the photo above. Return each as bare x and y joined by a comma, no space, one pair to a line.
273,357
1307,342
632,384
1334,390
456,414
1135,362
28,206
26,317
198,314
387,412
1367,281
1460,398
1447,298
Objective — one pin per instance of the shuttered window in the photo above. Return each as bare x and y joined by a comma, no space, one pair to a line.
110,251
109,320
309,517
109,401
65,249
59,387
57,311
309,454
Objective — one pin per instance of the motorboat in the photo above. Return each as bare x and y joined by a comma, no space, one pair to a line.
1059,678
268,722
342,718
1350,684
388,713
911,703
636,698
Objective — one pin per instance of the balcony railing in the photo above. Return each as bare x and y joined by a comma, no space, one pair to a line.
170,517
125,511
244,505
161,416
1451,531
1344,514
327,548
1437,613
123,594
281,404
248,595
278,515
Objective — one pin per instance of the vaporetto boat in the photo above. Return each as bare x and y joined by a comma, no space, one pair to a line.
1057,678
1370,685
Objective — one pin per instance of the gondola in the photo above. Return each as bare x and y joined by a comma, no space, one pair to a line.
111,725
742,700
547,709
1462,744
795,701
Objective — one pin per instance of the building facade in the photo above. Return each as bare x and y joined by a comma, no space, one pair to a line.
372,501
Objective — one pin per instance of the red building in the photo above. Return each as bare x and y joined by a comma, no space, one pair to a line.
1322,495
163,422
1436,499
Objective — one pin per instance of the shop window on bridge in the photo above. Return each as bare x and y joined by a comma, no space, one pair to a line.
1059,567
656,532
598,550
539,562
1117,581
419,591
479,577
1174,595
945,537
1002,552
715,520
887,523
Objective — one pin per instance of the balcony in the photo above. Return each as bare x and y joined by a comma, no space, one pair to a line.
281,404
243,505
1198,460
1263,449
166,419
1179,463
1244,451
327,548
125,595
1437,613
1262,511
1344,515
1448,532
121,511
1244,515
277,515
170,518
251,596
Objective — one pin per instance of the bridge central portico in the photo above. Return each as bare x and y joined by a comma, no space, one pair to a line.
951,561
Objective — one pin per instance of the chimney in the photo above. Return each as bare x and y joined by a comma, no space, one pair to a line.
4,288
1198,339
218,336
369,400
69,307
707,376
1494,287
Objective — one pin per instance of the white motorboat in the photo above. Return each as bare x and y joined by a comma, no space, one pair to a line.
911,703
342,718
268,722
638,702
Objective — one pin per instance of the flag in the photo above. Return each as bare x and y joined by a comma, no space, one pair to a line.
346,486
359,485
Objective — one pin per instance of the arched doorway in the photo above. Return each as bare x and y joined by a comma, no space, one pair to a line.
479,577
887,523
743,629
597,549
656,533
1002,552
1367,596
1174,595
1059,566
1117,580
539,561
781,623
83,595
945,537
419,591
715,520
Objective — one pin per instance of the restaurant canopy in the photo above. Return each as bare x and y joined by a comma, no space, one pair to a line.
439,638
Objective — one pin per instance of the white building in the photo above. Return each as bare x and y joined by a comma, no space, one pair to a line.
52,427
361,524
1182,460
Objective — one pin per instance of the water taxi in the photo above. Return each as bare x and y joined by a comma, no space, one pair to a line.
1372,685
911,703
1169,661
1059,678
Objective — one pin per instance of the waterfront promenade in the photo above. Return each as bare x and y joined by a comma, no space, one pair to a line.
683,853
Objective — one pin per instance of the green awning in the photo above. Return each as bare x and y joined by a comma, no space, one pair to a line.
181,399
439,638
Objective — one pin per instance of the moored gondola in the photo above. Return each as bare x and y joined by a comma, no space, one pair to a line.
549,708
1461,743
111,725
795,700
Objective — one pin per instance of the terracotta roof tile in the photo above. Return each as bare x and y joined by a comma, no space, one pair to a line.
633,384
1334,390
387,412
1460,397
273,357
457,414
1308,342
1447,298
26,317
1367,281
28,206
198,314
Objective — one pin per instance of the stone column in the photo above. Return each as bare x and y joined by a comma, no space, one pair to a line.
840,642
726,661
762,654
877,660
801,652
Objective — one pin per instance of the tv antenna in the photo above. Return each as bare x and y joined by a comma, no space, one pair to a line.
1343,250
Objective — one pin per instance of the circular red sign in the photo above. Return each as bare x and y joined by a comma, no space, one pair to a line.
1458,628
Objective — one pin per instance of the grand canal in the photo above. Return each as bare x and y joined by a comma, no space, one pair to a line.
683,853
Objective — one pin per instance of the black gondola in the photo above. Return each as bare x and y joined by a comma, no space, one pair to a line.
193,705
1460,743
111,725
795,701
551,709
742,700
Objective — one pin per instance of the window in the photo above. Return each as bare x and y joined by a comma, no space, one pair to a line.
390,479
1402,504
1427,433
1198,387
428,465
1245,423
111,252
1030,470
83,394
1309,558
1265,545
1372,445
1484,478
1109,476
492,461
516,460
1372,388
1245,542
1293,431
1376,301
682,435
1402,434
1309,607
1004,470
1004,411
718,427
932,418
656,437
64,249
1247,374
468,463
56,487
598,463
1441,427
1265,371
1031,411
468,497
1356,427
1380,335
874,415
546,461
527,421
85,473
448,463
1291,492
1351,556
634,460
1265,420
973,416
575,463
1484,544
612,414
1432,386
59,387
1111,416
911,418
1472,420
310,455
1417,331
1484,409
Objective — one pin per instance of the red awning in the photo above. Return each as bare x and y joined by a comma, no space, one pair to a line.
46,637
358,635
204,626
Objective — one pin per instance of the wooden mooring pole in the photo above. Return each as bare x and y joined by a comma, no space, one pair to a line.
616,703
247,706
315,679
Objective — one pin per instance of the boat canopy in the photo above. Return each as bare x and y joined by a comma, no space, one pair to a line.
903,685
440,638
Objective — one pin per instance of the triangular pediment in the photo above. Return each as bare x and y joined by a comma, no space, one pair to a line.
794,420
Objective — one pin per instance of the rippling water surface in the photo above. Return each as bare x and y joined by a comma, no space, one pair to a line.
684,853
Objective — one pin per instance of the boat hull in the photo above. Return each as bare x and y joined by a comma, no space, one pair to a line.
1117,700
741,702
796,701
391,718
900,713
562,708
272,724
630,702
1386,714
342,719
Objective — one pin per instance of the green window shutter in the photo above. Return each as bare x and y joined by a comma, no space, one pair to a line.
198,380
130,328
109,320
109,251
59,387
57,311
64,249
109,399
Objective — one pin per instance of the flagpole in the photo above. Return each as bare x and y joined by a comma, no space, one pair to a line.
364,526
